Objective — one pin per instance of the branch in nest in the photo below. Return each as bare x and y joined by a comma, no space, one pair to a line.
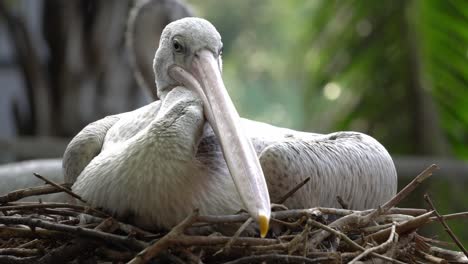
71,250
20,252
33,205
351,242
401,228
292,191
163,243
69,192
76,230
21,232
33,191
444,224
393,238
277,258
361,219
409,188
17,260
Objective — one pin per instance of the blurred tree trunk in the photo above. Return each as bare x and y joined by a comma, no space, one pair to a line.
34,77
89,70
428,138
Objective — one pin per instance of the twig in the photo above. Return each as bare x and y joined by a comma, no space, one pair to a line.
431,258
361,219
294,224
292,191
409,188
444,224
235,236
21,232
33,191
16,260
351,242
450,216
114,255
20,252
296,213
401,228
58,186
300,238
120,240
34,205
449,255
276,258
380,247
77,246
69,192
163,243
343,204
402,194
184,240
29,243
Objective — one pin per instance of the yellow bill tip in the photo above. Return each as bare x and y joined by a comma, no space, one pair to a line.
263,223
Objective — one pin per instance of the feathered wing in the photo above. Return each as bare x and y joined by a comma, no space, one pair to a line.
85,146
349,164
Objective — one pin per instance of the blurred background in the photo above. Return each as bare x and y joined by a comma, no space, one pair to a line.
397,70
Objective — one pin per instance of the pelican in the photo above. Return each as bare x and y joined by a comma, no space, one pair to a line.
190,149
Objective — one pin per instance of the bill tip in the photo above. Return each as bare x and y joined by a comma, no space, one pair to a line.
263,222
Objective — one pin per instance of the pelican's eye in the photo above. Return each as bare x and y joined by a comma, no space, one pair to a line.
220,51
178,47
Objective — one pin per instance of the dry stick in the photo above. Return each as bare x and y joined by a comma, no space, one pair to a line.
401,228
446,227
363,220
16,260
76,230
185,240
235,236
77,246
292,191
449,255
20,252
166,241
351,242
294,224
294,244
295,213
21,232
44,206
383,246
431,258
424,175
409,188
450,216
87,218
116,256
34,205
29,243
69,192
59,187
342,202
276,258
434,241
33,191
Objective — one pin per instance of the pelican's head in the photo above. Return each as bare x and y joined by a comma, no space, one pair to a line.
189,55
181,42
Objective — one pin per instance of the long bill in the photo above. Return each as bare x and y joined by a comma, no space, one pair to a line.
238,150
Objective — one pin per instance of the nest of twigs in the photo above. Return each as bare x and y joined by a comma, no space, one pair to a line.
36,232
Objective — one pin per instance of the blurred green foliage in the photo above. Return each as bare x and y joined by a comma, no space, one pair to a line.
397,70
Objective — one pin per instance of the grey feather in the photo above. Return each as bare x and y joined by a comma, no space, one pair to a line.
85,146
